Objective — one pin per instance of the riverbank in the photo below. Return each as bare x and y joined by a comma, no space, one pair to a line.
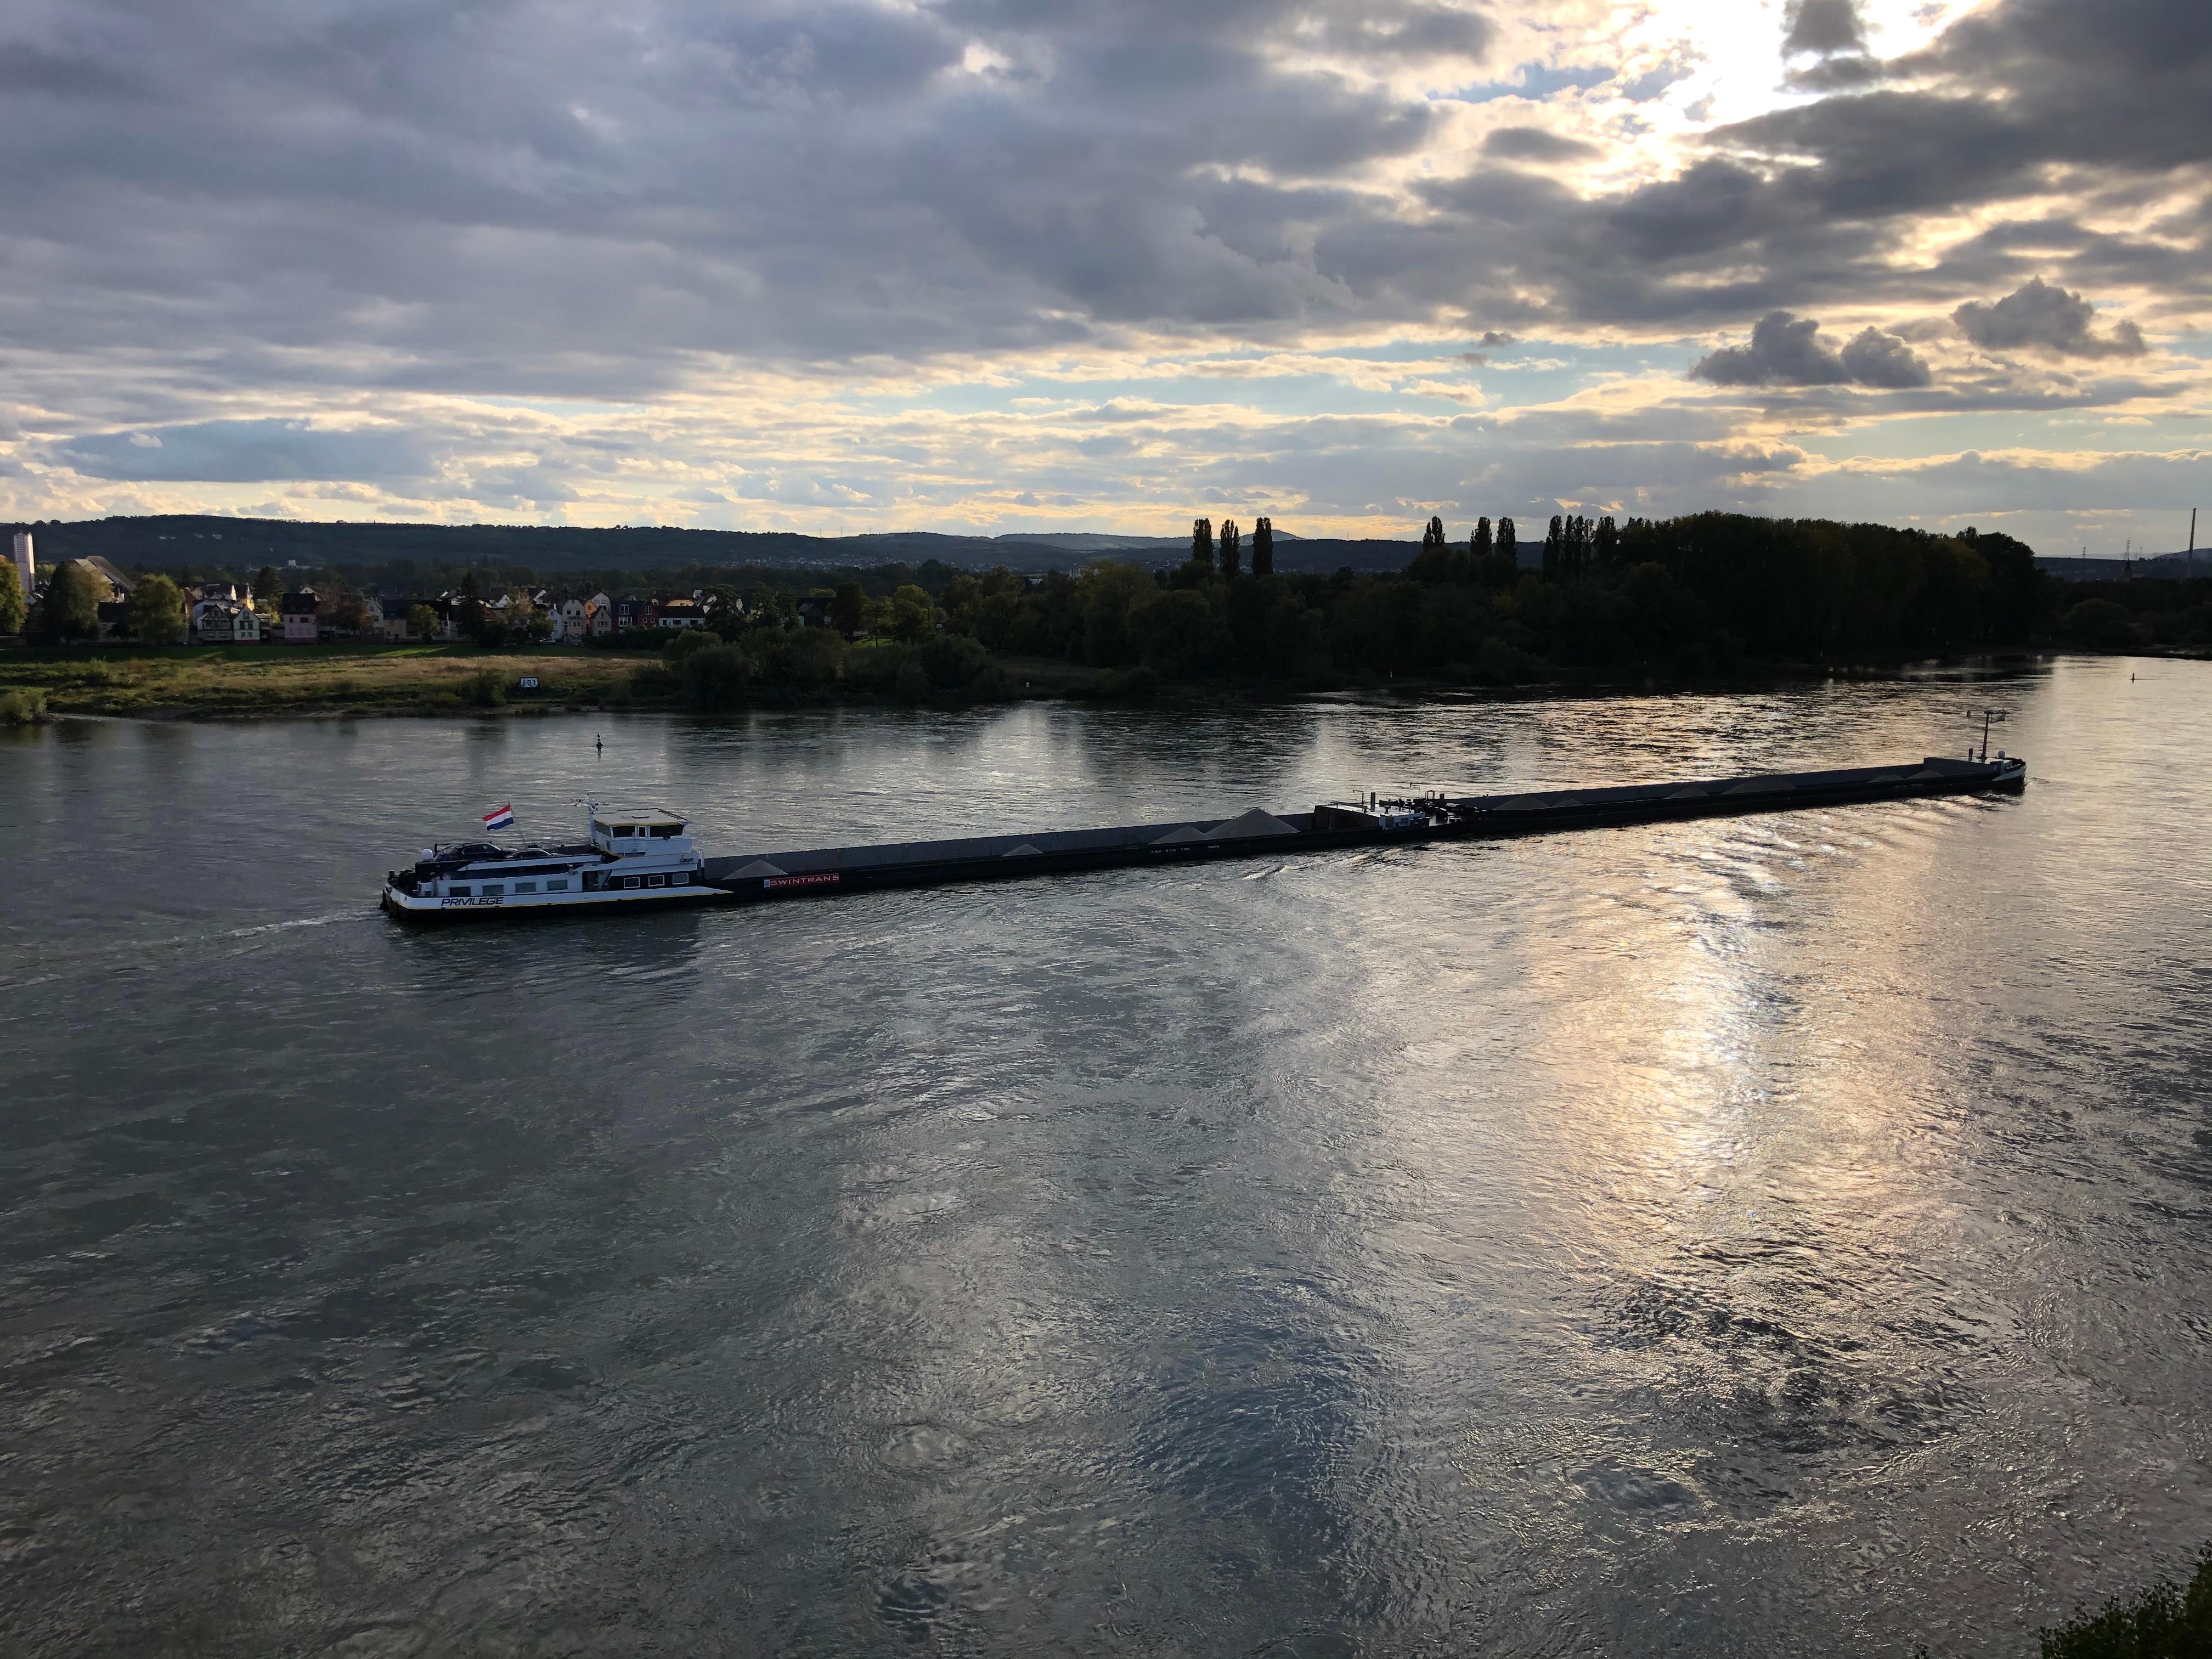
215,682
305,682
266,681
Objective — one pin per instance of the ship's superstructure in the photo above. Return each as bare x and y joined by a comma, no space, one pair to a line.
634,856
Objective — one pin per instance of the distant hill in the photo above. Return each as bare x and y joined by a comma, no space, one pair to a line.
2107,569
209,543
1079,541
1090,542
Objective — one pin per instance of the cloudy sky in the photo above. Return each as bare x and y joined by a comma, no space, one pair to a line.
1103,264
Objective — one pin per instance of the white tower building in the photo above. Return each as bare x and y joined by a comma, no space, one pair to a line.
26,565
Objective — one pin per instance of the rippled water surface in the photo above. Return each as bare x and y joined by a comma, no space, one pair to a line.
1771,1237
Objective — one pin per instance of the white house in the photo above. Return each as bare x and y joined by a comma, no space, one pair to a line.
575,621
224,621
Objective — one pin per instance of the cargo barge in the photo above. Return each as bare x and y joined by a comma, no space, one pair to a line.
638,859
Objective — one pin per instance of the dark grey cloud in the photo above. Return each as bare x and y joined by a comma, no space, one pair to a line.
1525,143
1823,26
1842,72
1783,350
1407,31
1787,351
2038,316
1874,358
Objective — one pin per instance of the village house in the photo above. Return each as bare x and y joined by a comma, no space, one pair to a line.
298,611
219,619
575,620
118,584
388,612
680,613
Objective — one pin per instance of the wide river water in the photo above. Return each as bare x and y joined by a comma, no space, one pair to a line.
1783,1236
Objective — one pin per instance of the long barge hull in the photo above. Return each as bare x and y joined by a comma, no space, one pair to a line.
827,873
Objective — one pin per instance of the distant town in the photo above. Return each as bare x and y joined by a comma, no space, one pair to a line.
107,603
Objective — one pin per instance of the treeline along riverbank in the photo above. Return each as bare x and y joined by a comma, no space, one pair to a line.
1678,600
1688,600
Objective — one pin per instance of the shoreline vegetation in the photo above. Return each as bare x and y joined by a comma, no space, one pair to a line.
347,681
1709,600
2167,1621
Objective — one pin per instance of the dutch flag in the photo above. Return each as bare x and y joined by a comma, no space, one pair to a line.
500,817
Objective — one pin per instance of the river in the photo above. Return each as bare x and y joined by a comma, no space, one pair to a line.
1783,1236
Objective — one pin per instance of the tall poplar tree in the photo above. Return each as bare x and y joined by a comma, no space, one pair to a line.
12,606
1231,540
1432,564
1605,543
1263,547
1508,553
1202,542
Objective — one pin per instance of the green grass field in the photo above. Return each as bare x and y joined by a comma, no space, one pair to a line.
304,680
